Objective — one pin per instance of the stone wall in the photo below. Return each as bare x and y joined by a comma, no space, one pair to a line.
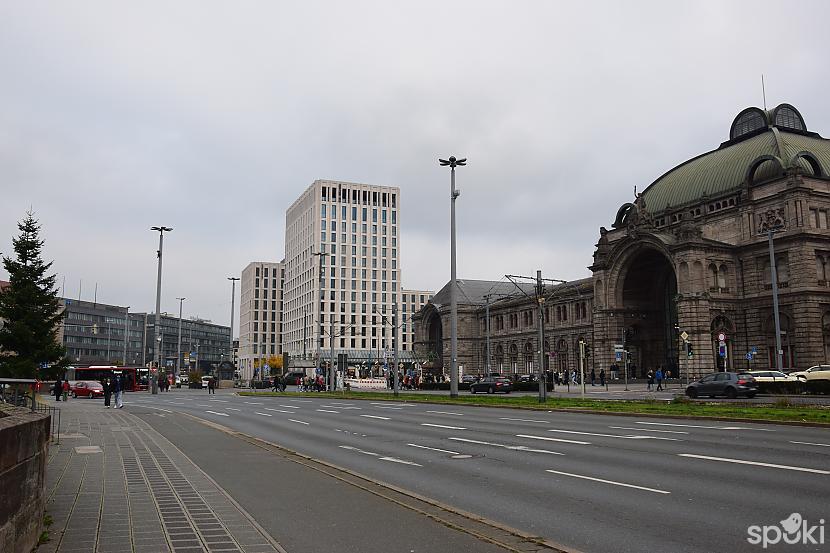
24,441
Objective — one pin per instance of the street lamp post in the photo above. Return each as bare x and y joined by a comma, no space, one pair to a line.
233,299
126,333
452,162
179,346
154,377
319,302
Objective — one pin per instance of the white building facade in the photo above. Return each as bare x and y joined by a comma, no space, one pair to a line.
343,273
260,314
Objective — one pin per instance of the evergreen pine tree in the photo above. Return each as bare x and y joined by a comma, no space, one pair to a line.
31,310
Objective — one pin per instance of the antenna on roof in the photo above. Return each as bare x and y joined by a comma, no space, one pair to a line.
764,91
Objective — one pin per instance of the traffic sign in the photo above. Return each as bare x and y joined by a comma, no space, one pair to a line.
618,347
753,351
749,356
684,335
721,337
619,355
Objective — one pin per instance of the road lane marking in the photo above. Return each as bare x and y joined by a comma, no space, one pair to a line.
298,422
442,426
446,413
215,413
232,409
375,417
552,439
384,407
523,420
327,411
202,405
254,402
280,410
219,400
810,443
378,455
263,414
292,406
628,437
401,461
607,481
706,427
392,404
435,449
156,408
743,462
505,446
648,430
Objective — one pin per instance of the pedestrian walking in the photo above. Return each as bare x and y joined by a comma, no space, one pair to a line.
118,391
614,370
602,377
650,381
593,377
66,390
105,383
58,391
211,386
659,377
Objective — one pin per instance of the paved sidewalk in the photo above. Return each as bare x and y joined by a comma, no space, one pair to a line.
116,485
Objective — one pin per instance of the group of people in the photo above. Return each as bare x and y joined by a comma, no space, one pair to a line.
659,376
115,384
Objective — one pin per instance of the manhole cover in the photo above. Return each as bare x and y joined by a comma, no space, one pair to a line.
70,435
83,449
462,456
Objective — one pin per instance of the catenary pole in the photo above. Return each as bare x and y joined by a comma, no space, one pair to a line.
774,276
154,376
179,344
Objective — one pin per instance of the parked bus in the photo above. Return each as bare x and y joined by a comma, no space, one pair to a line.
136,377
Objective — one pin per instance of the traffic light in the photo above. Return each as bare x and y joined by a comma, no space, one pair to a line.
689,352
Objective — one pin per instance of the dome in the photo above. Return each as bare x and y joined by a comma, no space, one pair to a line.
762,145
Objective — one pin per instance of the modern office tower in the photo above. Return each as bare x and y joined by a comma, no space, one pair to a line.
260,309
342,272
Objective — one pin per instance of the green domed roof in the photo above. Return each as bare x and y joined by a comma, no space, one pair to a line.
762,146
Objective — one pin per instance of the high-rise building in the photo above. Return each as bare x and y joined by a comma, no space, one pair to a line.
343,273
260,314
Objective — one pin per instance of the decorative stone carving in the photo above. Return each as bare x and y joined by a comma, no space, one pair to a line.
688,229
772,219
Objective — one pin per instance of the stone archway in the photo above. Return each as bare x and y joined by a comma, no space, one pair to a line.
647,292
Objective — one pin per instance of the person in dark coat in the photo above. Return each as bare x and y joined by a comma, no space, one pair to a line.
58,389
602,377
107,392
117,389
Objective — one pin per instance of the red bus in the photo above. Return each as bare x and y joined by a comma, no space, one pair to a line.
137,377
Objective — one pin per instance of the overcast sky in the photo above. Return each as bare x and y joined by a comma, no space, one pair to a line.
212,117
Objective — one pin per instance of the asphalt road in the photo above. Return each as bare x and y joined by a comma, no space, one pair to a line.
591,482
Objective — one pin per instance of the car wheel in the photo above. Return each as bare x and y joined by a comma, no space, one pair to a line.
731,393
472,390
491,390
691,392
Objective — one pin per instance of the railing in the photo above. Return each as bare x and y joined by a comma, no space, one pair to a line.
21,392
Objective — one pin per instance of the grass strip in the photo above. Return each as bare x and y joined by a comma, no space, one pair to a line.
680,406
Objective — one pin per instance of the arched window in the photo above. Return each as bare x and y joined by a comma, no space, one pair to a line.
722,277
683,272
713,276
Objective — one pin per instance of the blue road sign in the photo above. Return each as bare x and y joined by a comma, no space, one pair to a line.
749,356
619,356
753,351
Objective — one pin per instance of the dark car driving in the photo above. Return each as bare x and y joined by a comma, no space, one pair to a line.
491,385
727,384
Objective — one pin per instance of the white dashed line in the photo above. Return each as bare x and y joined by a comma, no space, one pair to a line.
627,437
326,411
279,410
435,449
523,420
215,413
510,447
375,417
810,443
552,439
446,413
263,414
648,430
607,481
442,426
298,422
232,409
743,462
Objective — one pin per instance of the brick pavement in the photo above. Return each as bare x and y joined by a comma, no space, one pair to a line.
115,485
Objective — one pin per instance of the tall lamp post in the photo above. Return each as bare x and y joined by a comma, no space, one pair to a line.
319,302
154,377
453,163
179,346
233,299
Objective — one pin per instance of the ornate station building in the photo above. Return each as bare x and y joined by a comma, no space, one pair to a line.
687,262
